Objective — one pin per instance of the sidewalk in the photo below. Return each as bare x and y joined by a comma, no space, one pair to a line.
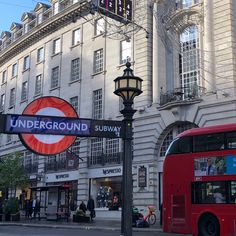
98,224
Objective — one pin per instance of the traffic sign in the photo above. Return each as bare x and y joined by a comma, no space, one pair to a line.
45,144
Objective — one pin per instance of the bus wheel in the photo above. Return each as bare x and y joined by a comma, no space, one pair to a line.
208,226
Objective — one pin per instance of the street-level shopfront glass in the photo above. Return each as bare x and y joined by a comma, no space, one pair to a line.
107,192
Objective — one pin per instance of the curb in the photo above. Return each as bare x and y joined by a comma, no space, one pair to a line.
85,227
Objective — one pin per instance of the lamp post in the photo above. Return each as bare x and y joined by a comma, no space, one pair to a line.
127,87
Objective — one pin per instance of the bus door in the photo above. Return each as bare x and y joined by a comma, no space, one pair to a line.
178,211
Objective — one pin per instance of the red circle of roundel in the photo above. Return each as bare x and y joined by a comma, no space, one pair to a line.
35,145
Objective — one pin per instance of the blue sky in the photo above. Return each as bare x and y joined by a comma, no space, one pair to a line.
12,10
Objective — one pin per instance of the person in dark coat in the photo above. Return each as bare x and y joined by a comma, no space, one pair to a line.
28,209
90,207
83,207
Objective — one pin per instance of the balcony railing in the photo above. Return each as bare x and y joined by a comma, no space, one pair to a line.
181,94
105,159
31,168
68,164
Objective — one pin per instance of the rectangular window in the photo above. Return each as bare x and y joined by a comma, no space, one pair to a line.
75,103
99,27
125,54
112,146
56,46
26,63
98,61
75,69
24,91
2,102
40,55
55,77
75,1
76,37
12,97
97,104
38,85
4,76
14,70
96,151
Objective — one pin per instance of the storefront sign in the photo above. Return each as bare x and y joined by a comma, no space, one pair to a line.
111,171
105,172
64,176
142,176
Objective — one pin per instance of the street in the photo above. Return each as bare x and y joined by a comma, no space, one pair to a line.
39,231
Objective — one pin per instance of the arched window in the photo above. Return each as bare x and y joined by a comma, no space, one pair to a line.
189,62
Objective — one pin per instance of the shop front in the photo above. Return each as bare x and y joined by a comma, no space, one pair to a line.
105,188
59,194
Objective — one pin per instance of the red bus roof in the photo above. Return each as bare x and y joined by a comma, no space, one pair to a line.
209,130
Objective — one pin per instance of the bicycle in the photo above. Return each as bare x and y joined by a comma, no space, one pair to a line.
151,216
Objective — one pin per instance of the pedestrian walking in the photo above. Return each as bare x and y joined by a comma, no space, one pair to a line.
90,207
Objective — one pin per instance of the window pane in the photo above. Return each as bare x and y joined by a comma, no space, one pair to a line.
12,97
2,102
98,61
4,76
14,70
76,37
56,46
97,104
55,77
26,63
38,85
99,26
75,69
40,54
125,52
24,91
74,102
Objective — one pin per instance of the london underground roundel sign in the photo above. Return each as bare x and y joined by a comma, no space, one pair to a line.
48,144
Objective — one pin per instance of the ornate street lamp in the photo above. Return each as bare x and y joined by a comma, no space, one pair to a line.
127,87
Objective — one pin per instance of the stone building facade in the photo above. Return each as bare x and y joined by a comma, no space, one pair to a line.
184,52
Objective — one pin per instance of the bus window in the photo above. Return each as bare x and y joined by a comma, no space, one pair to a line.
233,192
180,145
208,142
209,192
231,140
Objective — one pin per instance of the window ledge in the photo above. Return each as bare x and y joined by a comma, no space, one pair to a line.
51,89
13,77
75,45
24,100
40,62
100,72
74,81
123,64
28,69
98,35
56,54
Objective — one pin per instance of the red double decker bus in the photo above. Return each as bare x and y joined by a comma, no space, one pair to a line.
199,182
